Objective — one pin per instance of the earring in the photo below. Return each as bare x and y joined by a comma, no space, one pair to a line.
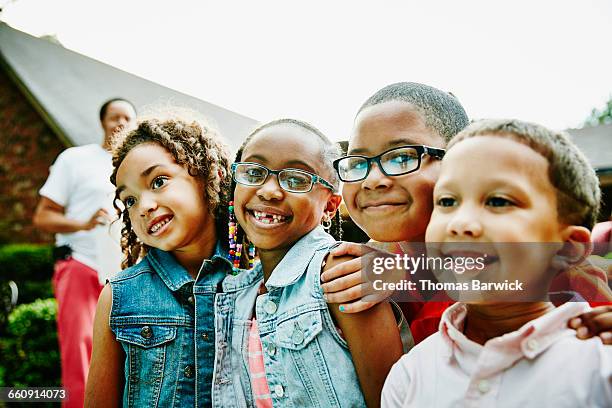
326,222
235,249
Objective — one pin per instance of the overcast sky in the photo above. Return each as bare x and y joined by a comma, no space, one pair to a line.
548,61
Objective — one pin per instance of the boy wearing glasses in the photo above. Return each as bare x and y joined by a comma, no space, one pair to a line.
394,206
402,129
504,182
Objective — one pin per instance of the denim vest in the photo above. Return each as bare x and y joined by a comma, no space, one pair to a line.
307,363
165,323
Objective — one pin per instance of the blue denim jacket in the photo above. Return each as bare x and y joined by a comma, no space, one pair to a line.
165,322
307,363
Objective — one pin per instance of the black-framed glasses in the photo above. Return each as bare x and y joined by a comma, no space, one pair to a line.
393,162
291,180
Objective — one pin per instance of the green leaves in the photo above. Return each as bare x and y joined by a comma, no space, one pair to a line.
29,354
600,117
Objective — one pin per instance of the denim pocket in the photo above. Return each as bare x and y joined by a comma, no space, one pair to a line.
149,353
302,343
146,336
297,332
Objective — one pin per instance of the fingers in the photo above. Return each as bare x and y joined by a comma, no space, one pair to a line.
102,217
357,298
356,307
343,283
365,303
350,294
347,248
606,337
597,322
342,269
574,323
580,320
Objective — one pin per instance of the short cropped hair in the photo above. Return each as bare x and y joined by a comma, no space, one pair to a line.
441,110
106,104
574,179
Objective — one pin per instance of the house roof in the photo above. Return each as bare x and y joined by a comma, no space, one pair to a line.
596,143
68,89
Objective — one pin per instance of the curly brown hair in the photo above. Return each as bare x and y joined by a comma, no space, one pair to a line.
193,144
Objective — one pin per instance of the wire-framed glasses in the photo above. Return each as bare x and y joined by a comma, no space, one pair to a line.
291,180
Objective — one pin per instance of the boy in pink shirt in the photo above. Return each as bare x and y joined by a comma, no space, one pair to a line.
501,182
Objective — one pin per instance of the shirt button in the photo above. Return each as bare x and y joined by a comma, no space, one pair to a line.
270,307
205,336
191,300
279,391
271,348
297,337
532,344
146,332
483,386
189,371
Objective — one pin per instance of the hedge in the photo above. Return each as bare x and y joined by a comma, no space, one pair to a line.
31,267
26,262
29,354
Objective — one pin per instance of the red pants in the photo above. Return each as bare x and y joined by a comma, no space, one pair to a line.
77,289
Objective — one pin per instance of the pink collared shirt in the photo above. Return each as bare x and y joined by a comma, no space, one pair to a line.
542,364
259,383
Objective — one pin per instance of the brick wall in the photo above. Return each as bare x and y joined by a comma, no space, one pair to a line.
27,148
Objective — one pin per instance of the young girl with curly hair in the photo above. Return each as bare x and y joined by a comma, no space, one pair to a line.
154,331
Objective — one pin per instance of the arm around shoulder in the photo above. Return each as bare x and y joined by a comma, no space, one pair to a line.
374,341
106,378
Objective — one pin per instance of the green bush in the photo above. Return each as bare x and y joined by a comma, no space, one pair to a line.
31,267
29,354
26,262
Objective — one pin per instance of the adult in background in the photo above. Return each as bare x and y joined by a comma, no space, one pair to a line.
75,204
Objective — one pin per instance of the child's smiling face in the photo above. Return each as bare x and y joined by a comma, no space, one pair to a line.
166,205
280,147
392,208
494,191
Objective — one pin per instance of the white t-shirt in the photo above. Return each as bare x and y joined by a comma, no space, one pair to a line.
79,180
542,364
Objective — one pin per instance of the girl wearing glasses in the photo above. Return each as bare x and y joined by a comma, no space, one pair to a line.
287,345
